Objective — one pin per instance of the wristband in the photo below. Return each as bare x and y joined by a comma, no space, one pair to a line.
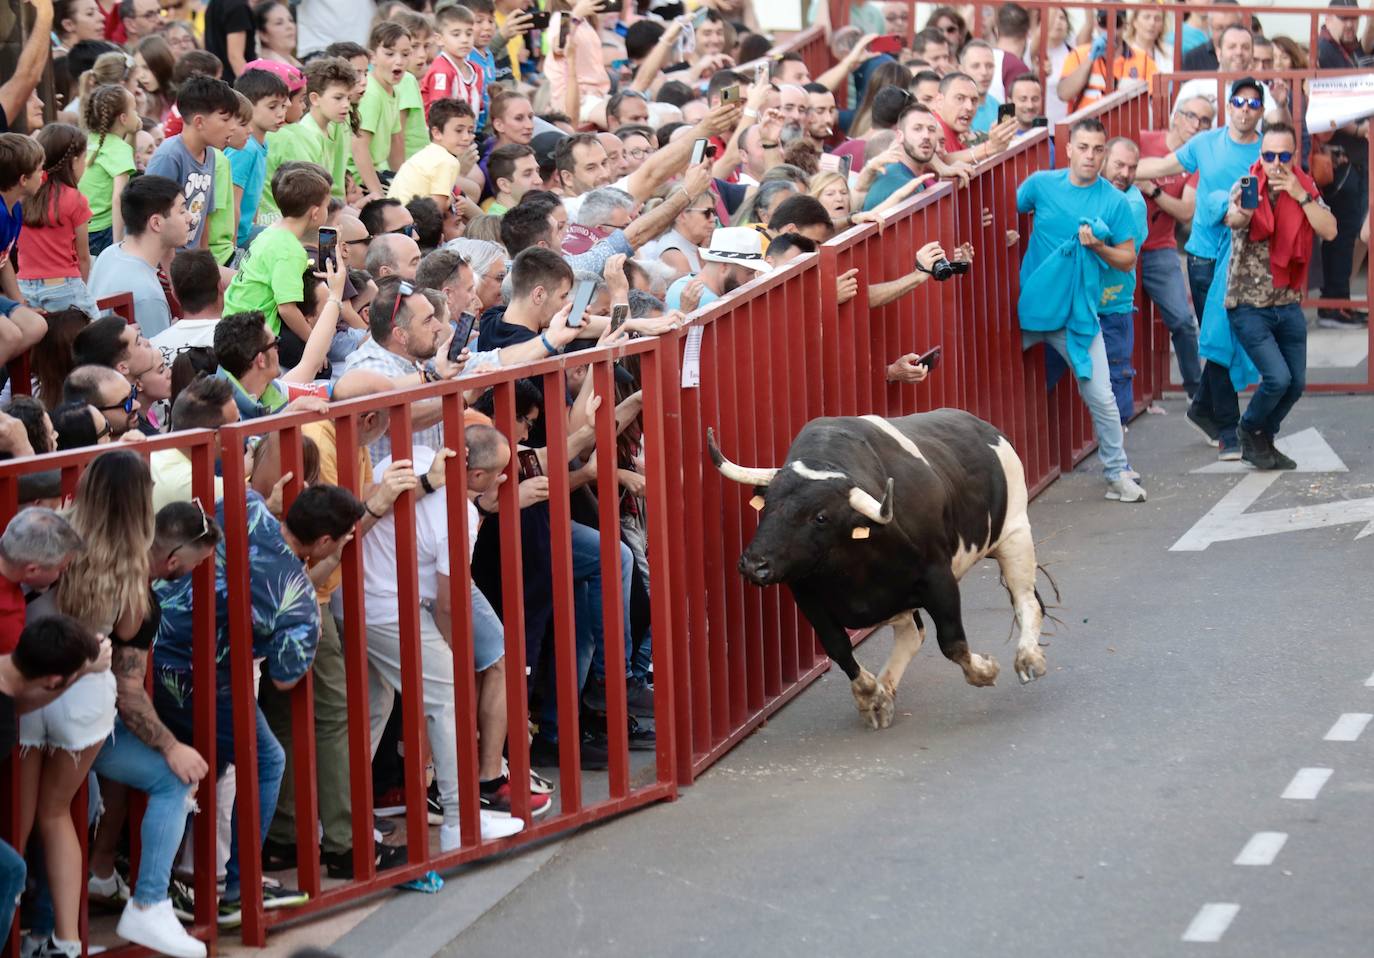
543,338
1156,194
751,113
768,146
426,485
370,511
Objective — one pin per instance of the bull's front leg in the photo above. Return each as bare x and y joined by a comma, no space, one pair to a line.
874,702
942,602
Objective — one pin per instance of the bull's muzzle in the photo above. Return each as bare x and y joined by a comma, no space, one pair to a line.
756,570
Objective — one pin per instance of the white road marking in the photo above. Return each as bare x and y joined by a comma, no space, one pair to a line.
1211,921
1228,520
1307,784
1307,448
1369,682
1348,727
1262,848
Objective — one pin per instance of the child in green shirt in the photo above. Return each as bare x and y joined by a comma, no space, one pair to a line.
408,95
223,225
322,136
110,114
380,142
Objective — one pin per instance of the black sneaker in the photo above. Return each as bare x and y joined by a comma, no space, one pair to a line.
278,856
594,694
383,826
434,806
277,895
1280,460
340,864
639,698
183,900
595,758
1339,319
1204,424
1256,449
642,737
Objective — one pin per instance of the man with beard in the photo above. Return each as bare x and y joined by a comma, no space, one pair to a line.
822,116
1060,293
734,257
955,109
1116,308
1236,53
918,134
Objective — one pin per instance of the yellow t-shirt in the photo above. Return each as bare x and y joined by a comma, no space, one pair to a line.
322,433
515,48
431,172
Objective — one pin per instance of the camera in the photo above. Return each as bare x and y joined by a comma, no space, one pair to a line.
943,268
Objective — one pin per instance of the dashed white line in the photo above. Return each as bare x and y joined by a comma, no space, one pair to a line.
1262,848
1307,784
1211,921
1369,682
1348,727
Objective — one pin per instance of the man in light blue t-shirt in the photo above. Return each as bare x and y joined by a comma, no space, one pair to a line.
1219,157
1116,308
1067,204
734,258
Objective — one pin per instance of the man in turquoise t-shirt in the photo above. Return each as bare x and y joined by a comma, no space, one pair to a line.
1062,200
918,135
1116,308
1219,157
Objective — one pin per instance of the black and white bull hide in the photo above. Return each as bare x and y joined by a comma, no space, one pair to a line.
870,520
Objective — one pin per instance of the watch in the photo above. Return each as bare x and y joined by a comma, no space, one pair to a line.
1156,194
1307,198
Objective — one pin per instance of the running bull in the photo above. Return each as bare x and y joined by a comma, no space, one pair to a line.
953,491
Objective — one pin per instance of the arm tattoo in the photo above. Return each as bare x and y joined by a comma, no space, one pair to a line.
131,698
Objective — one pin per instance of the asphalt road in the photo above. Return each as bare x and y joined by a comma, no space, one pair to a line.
1096,812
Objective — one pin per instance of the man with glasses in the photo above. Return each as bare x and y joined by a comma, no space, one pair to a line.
386,216
108,391
249,360
141,18
1219,158
1236,53
639,142
1169,200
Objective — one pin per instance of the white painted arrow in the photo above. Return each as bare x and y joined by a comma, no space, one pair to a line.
1307,448
1228,520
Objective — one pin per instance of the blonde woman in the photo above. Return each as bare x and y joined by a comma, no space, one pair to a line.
832,190
1146,32
106,590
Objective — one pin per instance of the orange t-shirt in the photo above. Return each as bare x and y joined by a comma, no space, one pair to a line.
1135,66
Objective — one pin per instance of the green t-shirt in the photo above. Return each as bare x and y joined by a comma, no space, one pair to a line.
412,109
379,113
271,273
221,222
299,142
116,158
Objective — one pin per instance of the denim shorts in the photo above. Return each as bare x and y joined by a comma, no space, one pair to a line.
80,717
52,298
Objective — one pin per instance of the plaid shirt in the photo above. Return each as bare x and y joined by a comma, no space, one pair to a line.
381,360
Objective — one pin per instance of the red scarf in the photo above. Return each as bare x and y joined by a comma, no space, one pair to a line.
1287,230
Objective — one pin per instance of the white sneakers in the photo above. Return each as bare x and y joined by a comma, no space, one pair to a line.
494,825
157,929
111,890
1125,489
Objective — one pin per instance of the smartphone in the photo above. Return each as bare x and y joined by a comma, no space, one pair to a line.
1006,111
892,43
581,298
539,19
761,74
1249,193
619,313
610,6
699,151
329,246
828,163
730,94
846,164
529,464
929,359
561,25
461,337
1040,121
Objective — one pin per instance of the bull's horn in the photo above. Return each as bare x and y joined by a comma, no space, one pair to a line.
730,470
870,508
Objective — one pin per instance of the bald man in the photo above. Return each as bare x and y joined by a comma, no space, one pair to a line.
393,254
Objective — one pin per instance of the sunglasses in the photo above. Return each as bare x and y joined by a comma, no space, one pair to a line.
104,430
1269,156
127,405
205,530
276,341
1242,101
407,230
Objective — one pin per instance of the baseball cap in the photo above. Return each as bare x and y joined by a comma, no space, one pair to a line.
1245,83
736,245
291,76
544,145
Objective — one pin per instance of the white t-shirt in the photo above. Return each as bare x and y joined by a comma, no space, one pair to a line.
431,541
184,333
322,22
672,239
573,204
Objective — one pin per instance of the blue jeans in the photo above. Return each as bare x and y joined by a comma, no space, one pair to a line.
1216,395
586,556
98,240
1275,338
1097,395
65,295
125,758
1162,281
12,873
1118,336
175,712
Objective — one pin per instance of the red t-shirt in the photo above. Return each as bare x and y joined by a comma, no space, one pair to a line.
49,252
952,142
443,80
1161,236
1012,67
12,612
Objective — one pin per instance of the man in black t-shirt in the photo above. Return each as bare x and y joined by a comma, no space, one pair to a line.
231,35
52,653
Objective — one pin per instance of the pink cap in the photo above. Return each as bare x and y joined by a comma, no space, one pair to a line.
291,76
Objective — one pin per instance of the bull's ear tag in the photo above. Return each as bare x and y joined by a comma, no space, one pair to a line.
757,503
861,532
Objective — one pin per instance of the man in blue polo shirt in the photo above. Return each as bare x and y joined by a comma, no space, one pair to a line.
1219,157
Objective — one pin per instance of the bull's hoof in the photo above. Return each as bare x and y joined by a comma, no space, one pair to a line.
1030,665
874,702
981,671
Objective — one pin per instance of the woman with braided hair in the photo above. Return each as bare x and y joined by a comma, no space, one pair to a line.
110,115
54,254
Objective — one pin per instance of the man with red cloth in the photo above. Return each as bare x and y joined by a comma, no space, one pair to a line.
1271,246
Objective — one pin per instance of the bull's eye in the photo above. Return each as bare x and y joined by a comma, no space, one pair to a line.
820,518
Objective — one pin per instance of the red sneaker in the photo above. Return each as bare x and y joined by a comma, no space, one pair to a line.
498,800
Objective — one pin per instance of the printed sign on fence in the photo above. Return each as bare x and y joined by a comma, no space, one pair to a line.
1334,102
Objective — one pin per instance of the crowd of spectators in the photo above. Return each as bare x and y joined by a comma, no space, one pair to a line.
307,204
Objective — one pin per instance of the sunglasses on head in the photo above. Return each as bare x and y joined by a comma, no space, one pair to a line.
1269,156
204,529
1253,103
402,291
